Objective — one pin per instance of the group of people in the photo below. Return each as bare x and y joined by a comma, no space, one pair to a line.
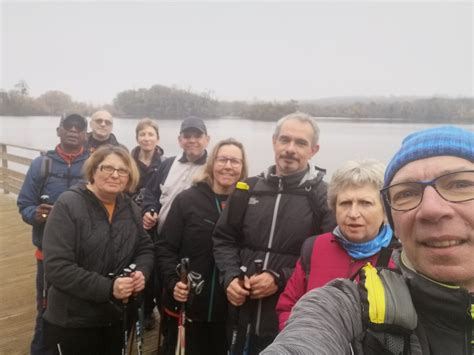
376,261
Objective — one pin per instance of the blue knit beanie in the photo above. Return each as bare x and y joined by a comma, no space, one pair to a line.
438,141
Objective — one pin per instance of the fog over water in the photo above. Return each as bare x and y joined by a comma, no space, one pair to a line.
340,139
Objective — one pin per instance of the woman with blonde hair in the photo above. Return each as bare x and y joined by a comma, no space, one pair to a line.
93,233
187,233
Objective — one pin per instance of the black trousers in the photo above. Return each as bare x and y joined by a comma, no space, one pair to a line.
79,341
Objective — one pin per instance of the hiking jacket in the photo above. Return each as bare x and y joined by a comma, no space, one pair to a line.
172,177
83,252
187,232
322,259
331,319
37,183
92,144
146,172
278,218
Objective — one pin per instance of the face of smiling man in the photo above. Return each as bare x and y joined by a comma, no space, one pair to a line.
438,235
293,147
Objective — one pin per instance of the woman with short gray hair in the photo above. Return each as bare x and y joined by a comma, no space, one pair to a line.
361,234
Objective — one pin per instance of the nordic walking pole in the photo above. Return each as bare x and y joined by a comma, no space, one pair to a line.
137,331
126,273
181,341
258,270
235,330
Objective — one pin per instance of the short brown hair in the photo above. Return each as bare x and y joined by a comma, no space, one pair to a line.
144,123
92,163
206,174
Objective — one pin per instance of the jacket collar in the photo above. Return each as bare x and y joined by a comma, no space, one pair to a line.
201,161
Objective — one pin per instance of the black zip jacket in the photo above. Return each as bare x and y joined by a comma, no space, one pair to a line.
187,232
81,248
278,219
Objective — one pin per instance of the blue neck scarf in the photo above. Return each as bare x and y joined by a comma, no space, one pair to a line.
365,249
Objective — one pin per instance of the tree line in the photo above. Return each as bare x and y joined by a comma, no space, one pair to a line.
174,103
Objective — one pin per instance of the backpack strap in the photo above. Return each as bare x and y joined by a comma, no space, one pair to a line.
239,201
45,171
389,315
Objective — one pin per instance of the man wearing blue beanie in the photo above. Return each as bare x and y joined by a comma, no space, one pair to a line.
427,306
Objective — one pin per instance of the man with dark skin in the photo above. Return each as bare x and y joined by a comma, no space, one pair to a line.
48,176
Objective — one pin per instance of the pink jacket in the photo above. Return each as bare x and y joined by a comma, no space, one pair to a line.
329,261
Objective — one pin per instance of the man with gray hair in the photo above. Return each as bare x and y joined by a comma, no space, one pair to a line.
268,218
427,306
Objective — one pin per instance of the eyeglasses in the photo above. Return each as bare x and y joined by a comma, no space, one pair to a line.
101,121
68,125
452,187
234,162
110,170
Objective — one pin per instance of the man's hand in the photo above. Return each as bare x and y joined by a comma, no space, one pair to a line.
149,220
138,281
42,212
262,285
123,288
237,291
181,292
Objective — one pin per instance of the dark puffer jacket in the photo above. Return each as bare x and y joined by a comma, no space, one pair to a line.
187,232
37,183
81,248
278,218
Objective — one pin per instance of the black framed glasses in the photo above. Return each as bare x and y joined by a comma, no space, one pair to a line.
234,162
110,170
453,187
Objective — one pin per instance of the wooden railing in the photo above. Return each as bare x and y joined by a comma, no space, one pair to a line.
10,179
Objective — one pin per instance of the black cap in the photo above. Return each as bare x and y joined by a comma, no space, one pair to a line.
193,122
74,117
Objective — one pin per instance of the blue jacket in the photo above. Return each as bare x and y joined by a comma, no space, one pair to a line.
60,178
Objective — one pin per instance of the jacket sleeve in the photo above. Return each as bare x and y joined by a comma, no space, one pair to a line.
144,253
61,269
295,288
226,248
151,199
326,320
29,196
168,247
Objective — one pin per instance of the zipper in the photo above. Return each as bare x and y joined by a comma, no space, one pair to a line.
267,254
214,269
211,297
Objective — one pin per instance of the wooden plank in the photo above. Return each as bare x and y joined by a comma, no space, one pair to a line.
17,159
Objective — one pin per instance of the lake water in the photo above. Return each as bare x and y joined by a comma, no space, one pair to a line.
340,139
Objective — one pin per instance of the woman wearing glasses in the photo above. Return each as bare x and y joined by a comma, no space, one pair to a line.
93,233
187,232
359,237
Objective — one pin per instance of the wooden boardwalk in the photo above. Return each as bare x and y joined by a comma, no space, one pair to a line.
17,286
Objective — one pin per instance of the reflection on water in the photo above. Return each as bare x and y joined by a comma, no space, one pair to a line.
340,140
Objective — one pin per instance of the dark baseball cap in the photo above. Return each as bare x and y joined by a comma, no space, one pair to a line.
76,118
193,122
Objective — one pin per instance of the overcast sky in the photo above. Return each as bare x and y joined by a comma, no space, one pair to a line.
246,50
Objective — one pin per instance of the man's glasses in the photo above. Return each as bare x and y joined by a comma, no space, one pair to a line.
110,170
452,187
234,162
68,125
101,121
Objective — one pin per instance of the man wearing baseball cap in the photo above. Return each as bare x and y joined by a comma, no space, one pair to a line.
48,176
427,308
